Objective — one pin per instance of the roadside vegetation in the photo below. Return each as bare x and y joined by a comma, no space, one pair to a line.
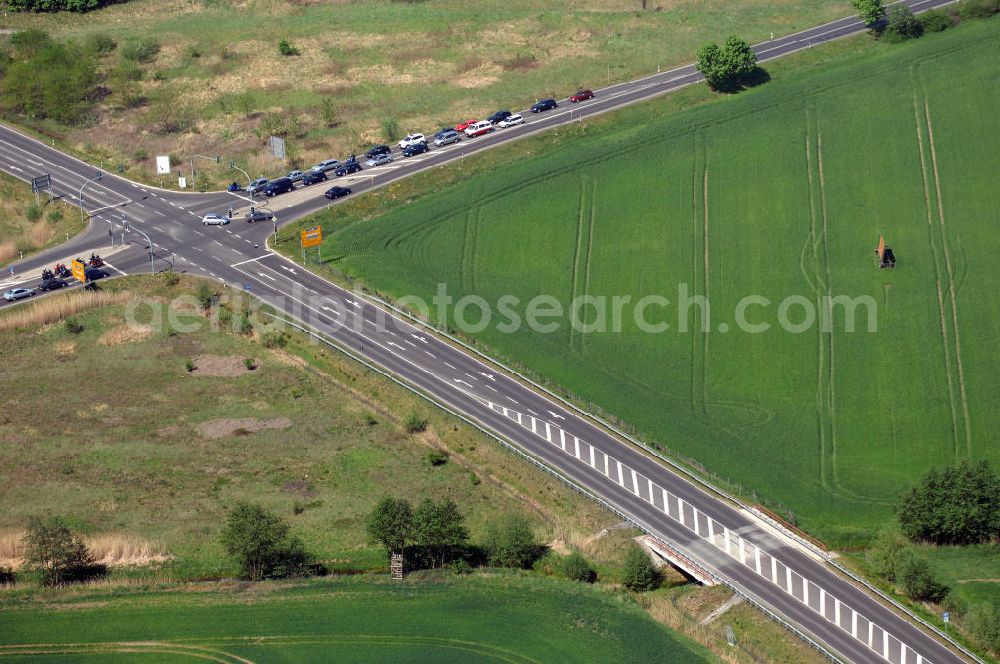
207,455
27,226
189,77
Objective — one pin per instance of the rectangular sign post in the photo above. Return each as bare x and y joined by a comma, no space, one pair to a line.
310,237
79,271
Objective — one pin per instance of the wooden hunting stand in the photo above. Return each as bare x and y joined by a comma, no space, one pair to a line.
396,566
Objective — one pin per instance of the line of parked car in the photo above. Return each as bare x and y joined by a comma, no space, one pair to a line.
380,155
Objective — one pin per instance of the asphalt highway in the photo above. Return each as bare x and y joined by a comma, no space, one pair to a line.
777,573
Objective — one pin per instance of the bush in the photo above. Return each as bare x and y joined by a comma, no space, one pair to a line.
261,544
171,279
286,48
274,339
189,365
511,543
55,215
370,419
959,505
51,80
437,458
243,325
415,424
52,549
983,621
885,553
390,130
901,25
73,326
936,20
639,574
205,295
460,566
140,50
100,44
978,8
576,568
249,363
7,576
917,580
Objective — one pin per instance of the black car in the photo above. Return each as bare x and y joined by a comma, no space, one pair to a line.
544,105
278,186
94,273
337,192
312,177
258,215
416,148
347,168
498,116
52,284
378,150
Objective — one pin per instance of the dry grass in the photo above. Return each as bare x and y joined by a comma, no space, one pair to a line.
125,334
8,251
112,549
39,234
54,309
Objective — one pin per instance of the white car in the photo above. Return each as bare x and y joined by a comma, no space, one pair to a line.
18,293
412,139
511,120
214,220
479,128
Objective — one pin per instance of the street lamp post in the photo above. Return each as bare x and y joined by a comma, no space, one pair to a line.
216,159
152,270
83,214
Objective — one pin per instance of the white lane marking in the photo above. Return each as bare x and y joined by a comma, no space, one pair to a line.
250,260
288,269
267,276
451,366
488,376
556,415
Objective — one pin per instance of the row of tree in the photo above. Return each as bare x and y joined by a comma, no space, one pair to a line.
56,5
898,23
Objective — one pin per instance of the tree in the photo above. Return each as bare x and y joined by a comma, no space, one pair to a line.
261,543
51,547
917,579
440,529
328,112
728,67
901,25
639,574
885,553
510,542
576,568
959,505
871,12
391,524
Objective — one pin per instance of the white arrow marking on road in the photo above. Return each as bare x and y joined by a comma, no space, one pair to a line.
556,415
459,380
266,276
329,309
487,375
395,344
419,338
287,269
353,303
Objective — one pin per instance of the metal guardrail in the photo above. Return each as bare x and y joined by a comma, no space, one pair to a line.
772,613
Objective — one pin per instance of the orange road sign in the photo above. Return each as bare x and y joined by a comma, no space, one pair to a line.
311,237
79,271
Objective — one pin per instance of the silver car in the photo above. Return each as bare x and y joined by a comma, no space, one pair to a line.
214,220
379,160
18,293
295,176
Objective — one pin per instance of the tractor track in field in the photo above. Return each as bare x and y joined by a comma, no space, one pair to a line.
590,250
699,274
934,230
117,647
577,251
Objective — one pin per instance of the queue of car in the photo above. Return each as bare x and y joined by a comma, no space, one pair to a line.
380,155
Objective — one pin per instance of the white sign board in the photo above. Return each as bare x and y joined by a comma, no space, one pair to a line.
162,164
277,147
182,182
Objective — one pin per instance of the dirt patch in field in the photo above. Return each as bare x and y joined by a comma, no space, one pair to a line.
240,427
125,334
65,349
225,366
167,431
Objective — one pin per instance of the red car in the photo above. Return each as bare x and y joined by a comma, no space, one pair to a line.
582,95
462,126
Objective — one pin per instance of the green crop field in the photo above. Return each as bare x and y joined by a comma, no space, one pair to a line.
780,193
504,618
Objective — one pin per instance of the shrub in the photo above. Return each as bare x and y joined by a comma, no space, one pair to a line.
901,25
274,339
983,621
7,576
189,365
140,50
936,20
73,326
54,5
511,543
243,325
959,505
286,49
205,295
261,544
29,42
885,553
576,568
390,130
415,423
437,458
460,566
171,279
52,549
100,44
917,580
192,51
474,479
639,574
249,363
55,215
370,419
979,8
